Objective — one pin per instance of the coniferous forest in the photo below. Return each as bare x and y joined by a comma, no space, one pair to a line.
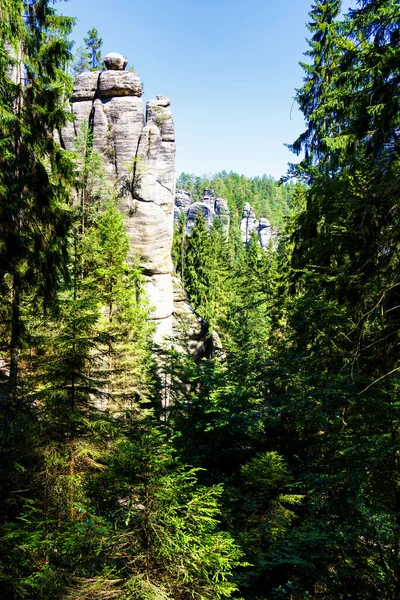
273,471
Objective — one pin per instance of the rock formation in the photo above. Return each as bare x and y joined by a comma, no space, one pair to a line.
249,224
139,155
210,205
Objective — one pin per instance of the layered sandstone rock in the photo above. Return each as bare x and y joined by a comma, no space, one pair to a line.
139,156
210,205
250,224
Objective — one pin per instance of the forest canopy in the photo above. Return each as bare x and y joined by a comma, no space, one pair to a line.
267,468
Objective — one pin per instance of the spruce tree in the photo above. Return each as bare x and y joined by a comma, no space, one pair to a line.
93,45
335,387
81,61
197,271
35,171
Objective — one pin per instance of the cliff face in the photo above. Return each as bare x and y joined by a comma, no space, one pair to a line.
139,155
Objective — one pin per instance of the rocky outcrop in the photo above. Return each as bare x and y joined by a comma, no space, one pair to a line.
210,205
139,156
250,224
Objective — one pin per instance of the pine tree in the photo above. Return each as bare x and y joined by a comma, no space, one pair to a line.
336,388
179,246
320,79
35,172
81,61
197,272
93,45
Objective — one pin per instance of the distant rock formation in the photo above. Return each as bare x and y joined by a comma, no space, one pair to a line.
139,154
210,205
249,224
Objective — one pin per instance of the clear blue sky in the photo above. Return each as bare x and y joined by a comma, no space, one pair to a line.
230,68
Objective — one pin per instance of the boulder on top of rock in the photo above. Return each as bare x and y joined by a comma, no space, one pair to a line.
115,61
119,83
139,162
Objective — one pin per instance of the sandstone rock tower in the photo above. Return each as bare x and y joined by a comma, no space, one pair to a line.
139,154
210,205
250,223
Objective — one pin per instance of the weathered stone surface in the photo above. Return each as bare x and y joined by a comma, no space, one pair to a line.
160,294
210,206
85,86
119,83
155,170
102,139
67,136
125,125
82,112
248,224
159,112
183,200
264,233
115,61
149,232
223,212
142,159
208,214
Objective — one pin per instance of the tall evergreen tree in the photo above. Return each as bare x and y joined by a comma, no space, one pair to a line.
81,61
338,399
320,79
35,172
93,45
197,271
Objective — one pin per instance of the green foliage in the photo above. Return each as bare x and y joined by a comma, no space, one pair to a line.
93,45
81,61
265,195
35,171
274,472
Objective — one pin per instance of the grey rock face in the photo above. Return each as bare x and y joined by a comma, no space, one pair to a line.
119,83
159,112
222,211
139,158
250,224
264,233
183,200
210,206
115,61
124,128
85,86
205,208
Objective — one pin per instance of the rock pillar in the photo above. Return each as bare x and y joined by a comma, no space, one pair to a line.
139,155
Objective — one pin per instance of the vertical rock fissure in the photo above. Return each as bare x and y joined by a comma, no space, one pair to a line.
134,170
